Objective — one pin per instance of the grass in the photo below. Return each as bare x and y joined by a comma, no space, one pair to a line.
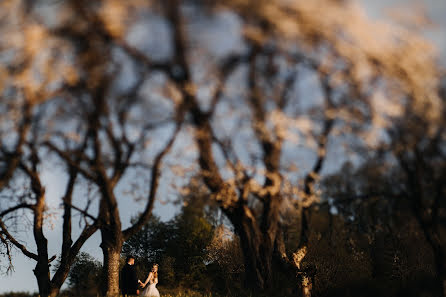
164,292
181,292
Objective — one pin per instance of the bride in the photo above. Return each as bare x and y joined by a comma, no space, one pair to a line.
152,279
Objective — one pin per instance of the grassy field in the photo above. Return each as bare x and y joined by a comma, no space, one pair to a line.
165,292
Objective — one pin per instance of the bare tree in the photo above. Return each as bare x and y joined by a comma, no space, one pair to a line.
89,128
28,199
349,76
112,153
10,153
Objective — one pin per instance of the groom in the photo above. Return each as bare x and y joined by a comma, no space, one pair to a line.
129,281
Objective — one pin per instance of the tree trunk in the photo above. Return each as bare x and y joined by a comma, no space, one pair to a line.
42,273
431,233
54,292
42,270
307,274
257,254
440,260
444,287
111,250
258,276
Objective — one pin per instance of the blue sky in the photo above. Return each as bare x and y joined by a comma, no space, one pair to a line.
22,279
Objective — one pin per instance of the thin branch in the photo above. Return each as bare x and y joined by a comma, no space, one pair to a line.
67,158
8,252
13,158
82,211
100,29
155,174
322,142
271,145
227,153
121,161
18,245
17,207
287,86
226,68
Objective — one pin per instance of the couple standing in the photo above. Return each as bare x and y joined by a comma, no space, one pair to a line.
130,282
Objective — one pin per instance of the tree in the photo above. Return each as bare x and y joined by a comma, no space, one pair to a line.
350,71
383,202
179,245
192,234
225,261
149,244
25,195
84,276
247,142
24,99
84,76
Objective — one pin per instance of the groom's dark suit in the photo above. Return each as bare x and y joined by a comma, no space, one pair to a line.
129,281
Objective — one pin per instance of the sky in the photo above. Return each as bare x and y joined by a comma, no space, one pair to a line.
22,279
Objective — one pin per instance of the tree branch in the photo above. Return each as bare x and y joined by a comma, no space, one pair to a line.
13,158
17,207
154,181
18,245
322,142
67,158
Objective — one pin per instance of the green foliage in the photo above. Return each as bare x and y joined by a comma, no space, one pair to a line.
85,275
179,246
192,234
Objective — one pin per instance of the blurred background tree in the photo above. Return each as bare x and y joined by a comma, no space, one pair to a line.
85,276
262,109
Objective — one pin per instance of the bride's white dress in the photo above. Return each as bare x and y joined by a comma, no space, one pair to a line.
151,290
